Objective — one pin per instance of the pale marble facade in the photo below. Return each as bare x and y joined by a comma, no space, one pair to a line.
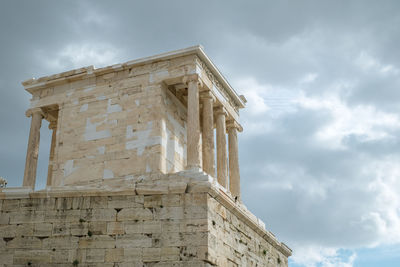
144,129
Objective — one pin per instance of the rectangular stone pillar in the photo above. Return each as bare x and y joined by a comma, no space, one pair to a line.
222,170
208,133
32,153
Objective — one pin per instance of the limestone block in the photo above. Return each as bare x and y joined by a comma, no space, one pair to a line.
80,229
60,256
36,203
176,213
29,216
194,225
132,255
98,228
171,226
63,203
152,201
24,243
98,215
131,214
6,257
62,215
114,255
177,188
134,241
151,227
4,218
97,241
171,200
133,227
11,205
170,253
7,230
81,203
172,239
115,228
151,254
61,229
124,202
196,212
61,242
95,255
197,199
28,257
195,238
43,229
25,229
150,189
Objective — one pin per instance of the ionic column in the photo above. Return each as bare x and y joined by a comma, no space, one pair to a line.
208,133
193,122
33,147
222,169
234,174
53,127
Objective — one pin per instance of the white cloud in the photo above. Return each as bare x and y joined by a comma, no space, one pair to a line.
313,256
372,64
360,120
77,55
263,100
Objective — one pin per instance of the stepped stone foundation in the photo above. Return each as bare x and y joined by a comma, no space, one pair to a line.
134,176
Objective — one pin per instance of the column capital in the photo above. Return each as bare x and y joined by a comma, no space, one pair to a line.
192,78
220,110
32,111
207,95
233,124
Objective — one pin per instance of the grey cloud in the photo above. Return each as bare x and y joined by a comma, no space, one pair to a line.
306,192
311,193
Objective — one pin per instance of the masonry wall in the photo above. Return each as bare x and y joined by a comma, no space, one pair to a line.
189,229
232,242
114,125
174,117
129,230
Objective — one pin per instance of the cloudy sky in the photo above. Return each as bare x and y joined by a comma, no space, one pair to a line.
320,150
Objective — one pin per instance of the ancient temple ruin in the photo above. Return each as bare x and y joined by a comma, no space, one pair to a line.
143,171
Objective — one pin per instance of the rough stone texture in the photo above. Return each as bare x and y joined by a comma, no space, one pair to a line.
233,243
157,230
186,219
126,119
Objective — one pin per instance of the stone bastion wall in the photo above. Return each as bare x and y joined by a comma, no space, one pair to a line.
139,223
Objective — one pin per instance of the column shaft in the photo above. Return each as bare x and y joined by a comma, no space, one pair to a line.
234,174
193,125
51,157
33,149
221,148
208,135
